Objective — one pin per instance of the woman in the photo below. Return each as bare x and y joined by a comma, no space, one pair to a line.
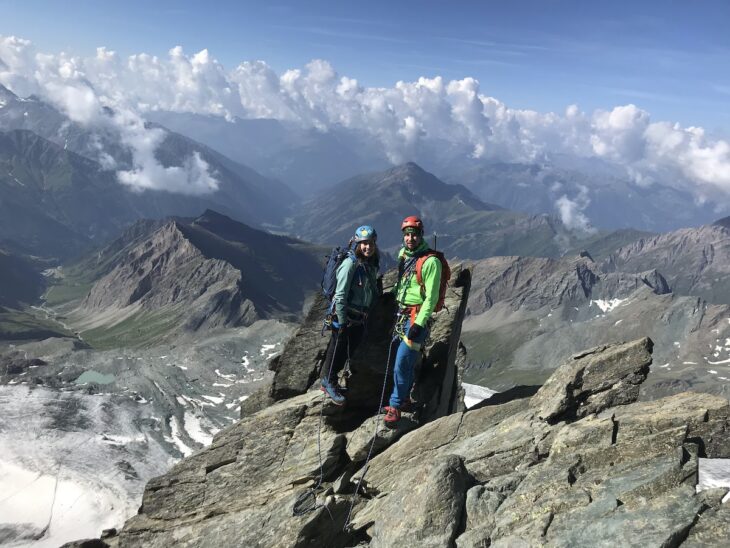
356,290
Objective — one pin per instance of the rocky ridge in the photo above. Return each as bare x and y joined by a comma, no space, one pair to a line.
526,314
580,461
200,274
695,261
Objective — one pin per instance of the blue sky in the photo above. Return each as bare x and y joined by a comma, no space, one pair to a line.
669,58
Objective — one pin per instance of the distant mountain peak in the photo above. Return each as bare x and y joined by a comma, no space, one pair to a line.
409,169
724,222
5,93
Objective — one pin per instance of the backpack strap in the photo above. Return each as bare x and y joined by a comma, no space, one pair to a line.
419,268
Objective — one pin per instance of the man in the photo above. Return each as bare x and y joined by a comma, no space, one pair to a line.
416,303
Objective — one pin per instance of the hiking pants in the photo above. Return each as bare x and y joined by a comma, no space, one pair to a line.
404,367
341,346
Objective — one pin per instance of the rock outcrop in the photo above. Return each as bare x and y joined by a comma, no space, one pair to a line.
298,366
580,462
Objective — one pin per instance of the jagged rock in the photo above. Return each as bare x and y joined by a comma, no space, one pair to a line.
438,387
372,436
86,543
596,379
296,368
426,509
712,527
603,470
664,521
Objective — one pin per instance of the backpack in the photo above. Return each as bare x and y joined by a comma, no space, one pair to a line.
329,276
445,275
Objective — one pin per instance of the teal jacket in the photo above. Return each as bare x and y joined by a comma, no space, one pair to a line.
407,290
357,287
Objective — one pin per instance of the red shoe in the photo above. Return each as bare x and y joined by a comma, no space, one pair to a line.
392,417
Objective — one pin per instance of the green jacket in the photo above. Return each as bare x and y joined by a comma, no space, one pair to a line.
357,287
407,290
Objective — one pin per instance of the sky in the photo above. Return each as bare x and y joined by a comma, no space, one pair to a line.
669,58
642,86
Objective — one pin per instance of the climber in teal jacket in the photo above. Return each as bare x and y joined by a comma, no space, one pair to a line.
357,287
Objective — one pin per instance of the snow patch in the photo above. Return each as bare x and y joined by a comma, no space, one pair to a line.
473,394
175,439
224,376
70,506
266,350
195,429
718,363
714,473
607,305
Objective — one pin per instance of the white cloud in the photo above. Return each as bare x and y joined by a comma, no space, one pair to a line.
82,87
399,118
571,210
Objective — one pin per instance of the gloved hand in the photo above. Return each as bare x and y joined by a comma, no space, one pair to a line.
415,331
337,326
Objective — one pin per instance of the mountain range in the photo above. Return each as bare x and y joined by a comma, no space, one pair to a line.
57,197
605,198
464,225
313,160
169,278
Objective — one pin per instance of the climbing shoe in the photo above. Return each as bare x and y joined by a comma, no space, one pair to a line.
333,392
392,417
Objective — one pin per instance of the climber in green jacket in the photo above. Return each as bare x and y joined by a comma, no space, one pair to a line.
416,303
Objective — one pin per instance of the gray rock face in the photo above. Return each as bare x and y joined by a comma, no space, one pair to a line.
695,261
525,315
594,380
195,275
612,471
437,390
532,283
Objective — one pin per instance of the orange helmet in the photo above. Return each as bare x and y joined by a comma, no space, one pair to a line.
412,222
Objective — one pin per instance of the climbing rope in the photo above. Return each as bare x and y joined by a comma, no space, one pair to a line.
375,434
301,504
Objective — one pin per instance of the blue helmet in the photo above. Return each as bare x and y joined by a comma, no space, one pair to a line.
365,233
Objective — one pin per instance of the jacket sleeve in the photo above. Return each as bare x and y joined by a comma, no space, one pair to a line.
431,274
345,273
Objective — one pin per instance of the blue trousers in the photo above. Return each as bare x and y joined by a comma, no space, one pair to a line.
403,369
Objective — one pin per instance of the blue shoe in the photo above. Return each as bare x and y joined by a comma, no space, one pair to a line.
333,392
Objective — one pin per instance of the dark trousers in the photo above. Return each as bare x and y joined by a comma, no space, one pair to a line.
342,345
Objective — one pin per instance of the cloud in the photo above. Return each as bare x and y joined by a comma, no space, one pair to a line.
81,88
455,117
148,174
571,211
